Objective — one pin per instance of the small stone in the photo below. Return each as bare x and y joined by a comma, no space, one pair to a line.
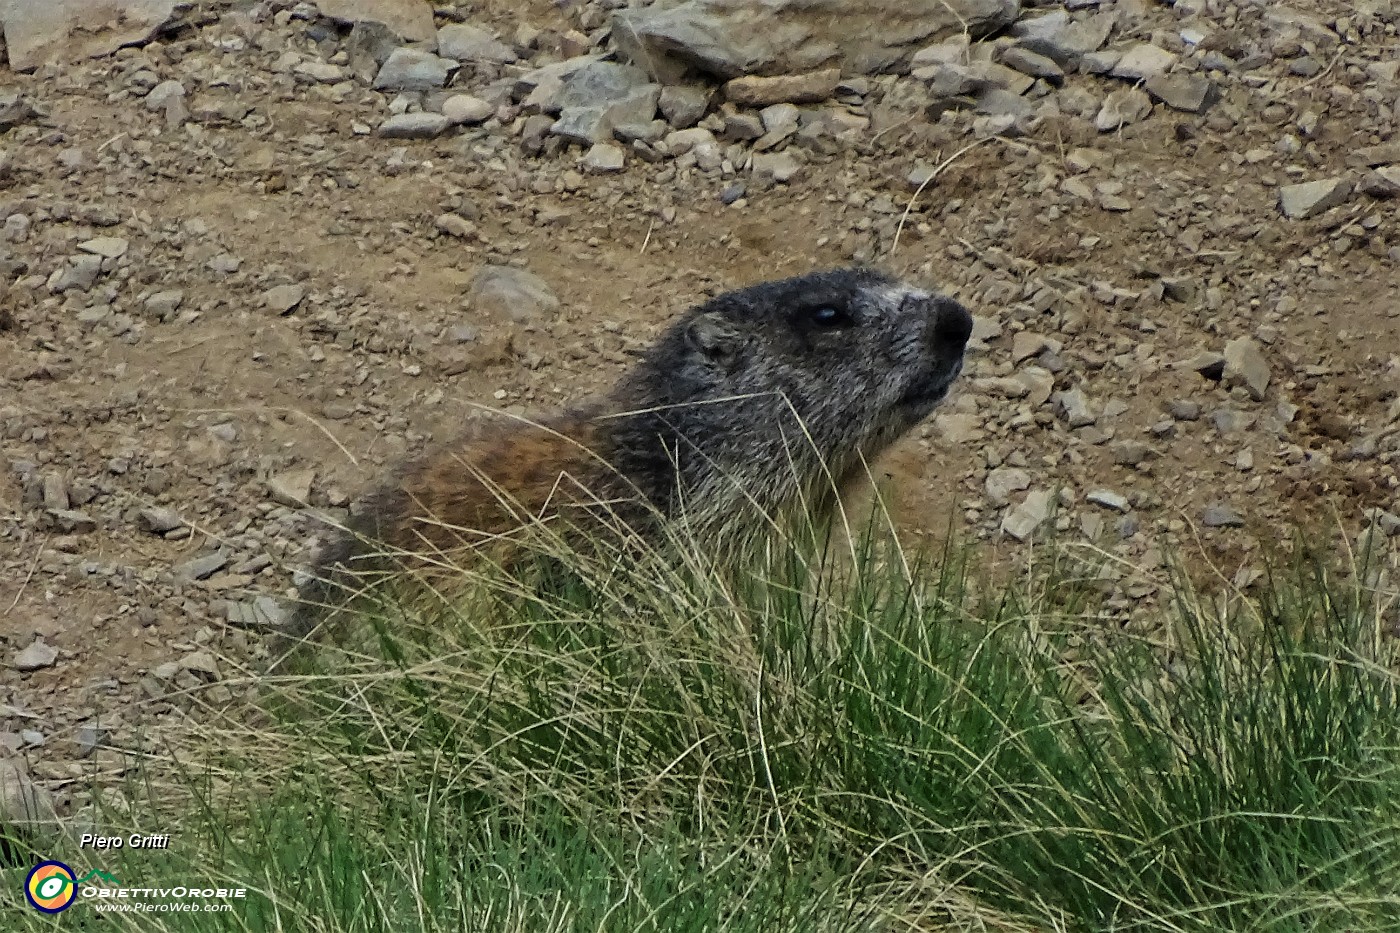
68,520
604,157
164,304
1143,61
35,657
1384,182
1073,406
413,70
1003,481
466,109
774,166
201,568
1208,363
89,736
1121,108
200,663
759,91
1129,453
1245,365
1308,199
80,272
1109,499
1033,64
159,520
1184,410
467,43
22,802
683,105
512,294
1022,521
1185,92
1026,345
292,488
455,225
1221,516
414,126
108,247
282,299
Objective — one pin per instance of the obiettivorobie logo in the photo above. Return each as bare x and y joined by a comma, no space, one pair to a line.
52,887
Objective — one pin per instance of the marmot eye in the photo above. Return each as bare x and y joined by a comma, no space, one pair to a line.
828,316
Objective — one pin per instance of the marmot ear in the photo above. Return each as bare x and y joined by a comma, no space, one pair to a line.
715,338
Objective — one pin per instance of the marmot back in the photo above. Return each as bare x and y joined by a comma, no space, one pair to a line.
757,402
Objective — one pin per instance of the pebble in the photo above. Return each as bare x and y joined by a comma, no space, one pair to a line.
108,247
79,272
1221,516
1245,365
292,488
164,304
201,568
282,299
1122,107
774,166
465,109
158,520
1003,481
417,125
1143,61
1310,198
511,294
413,70
1383,182
604,157
467,43
1033,64
22,802
1185,92
202,663
1073,406
36,656
1022,521
683,105
1108,499
759,91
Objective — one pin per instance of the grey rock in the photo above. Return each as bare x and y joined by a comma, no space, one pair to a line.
164,304
1310,198
292,488
22,802
1073,406
683,105
1231,420
1384,182
414,126
413,70
36,656
760,91
598,97
1245,365
466,109
1184,409
1143,61
1221,516
201,663
409,19
1122,107
1022,521
512,294
108,247
455,225
1003,481
79,272
774,167
1033,64
728,39
1185,92
369,46
201,568
1129,453
604,157
467,43
1109,499
63,31
69,520
163,93
89,736
159,520
282,299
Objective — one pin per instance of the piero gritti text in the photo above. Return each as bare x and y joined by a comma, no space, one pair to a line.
134,841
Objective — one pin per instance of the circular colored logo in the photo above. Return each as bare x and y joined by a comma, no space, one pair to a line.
51,887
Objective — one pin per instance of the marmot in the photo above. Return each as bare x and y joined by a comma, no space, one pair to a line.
768,397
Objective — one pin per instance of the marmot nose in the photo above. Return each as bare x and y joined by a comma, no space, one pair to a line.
952,324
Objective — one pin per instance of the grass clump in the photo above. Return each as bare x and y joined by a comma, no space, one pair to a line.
818,744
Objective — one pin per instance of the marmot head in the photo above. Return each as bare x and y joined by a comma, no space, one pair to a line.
841,362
